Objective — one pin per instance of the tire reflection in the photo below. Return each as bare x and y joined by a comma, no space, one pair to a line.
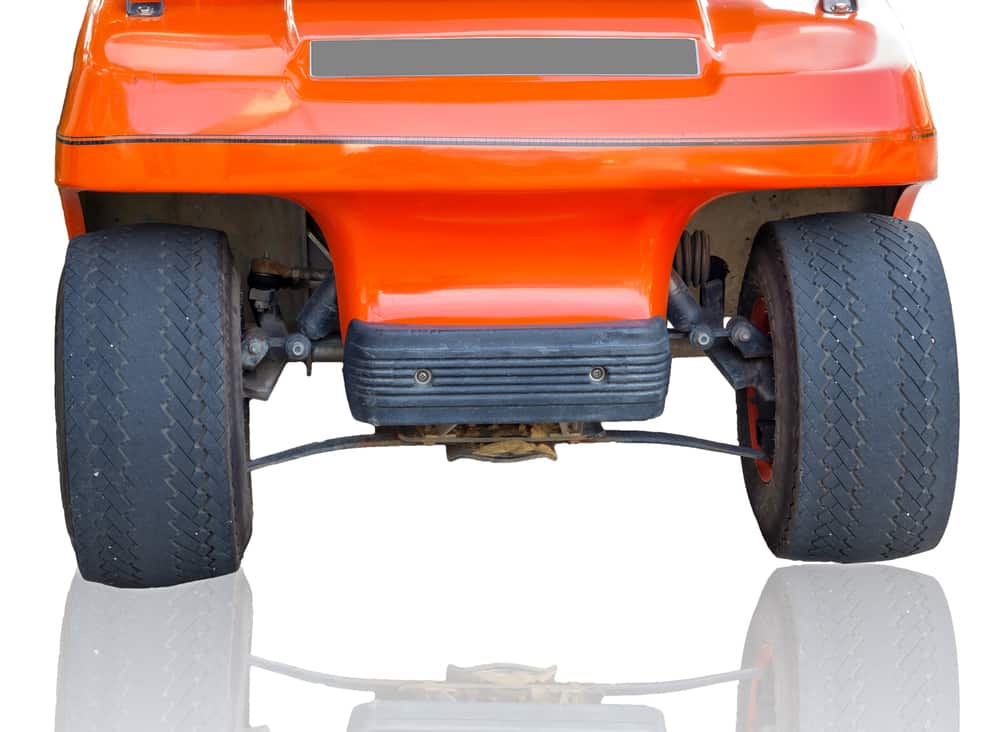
828,648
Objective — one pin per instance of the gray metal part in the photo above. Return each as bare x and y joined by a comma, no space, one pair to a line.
259,382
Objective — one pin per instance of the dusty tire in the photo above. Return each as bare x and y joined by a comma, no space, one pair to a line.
865,423
850,648
149,406
157,661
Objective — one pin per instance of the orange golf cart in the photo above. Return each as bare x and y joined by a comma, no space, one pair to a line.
505,218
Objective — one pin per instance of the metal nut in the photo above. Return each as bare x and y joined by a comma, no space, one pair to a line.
598,374
298,347
423,376
253,349
701,337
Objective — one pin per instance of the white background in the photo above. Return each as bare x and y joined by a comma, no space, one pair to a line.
617,562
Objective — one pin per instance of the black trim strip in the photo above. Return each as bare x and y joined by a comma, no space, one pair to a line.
487,141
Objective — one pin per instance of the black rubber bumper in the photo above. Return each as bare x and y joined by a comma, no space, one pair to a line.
417,375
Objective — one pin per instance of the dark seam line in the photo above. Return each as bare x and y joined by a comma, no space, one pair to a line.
489,142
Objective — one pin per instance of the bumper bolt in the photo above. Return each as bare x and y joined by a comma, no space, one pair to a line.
598,374
423,376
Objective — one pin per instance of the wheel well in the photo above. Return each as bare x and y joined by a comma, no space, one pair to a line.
732,221
277,227
256,226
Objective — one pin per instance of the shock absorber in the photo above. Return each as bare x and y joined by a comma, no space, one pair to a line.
693,260
320,317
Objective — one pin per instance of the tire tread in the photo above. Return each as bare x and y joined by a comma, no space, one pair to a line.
877,379
148,408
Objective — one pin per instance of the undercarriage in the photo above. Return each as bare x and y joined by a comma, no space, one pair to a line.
519,391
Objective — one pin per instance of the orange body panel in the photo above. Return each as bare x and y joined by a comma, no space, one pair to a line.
492,199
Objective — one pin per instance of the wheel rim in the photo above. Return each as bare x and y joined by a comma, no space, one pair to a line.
760,320
763,664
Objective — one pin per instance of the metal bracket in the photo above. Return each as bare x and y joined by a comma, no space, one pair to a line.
262,362
840,7
144,9
266,349
740,351
743,373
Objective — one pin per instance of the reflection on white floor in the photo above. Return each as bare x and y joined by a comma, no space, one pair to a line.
866,648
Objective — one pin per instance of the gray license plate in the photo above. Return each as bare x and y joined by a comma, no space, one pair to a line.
415,57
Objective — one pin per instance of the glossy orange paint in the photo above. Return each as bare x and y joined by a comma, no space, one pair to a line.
904,207
493,199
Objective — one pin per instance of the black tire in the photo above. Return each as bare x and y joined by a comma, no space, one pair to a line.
171,659
865,421
150,414
850,648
